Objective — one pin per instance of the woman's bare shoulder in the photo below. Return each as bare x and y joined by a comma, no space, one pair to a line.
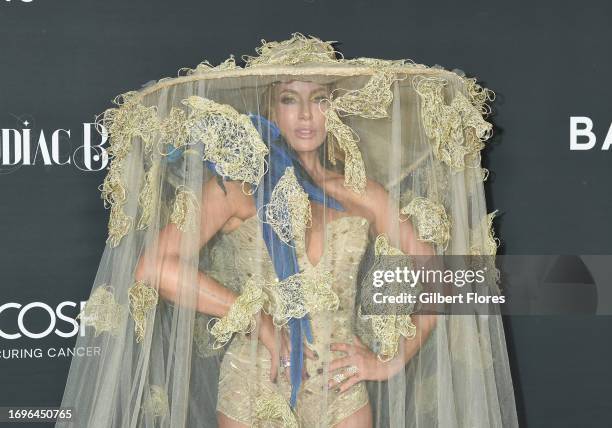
241,204
375,193
366,203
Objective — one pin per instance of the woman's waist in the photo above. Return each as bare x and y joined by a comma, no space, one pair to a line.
326,327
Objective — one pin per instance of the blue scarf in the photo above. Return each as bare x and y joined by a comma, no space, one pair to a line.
283,255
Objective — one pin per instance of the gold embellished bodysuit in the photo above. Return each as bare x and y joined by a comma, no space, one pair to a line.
242,383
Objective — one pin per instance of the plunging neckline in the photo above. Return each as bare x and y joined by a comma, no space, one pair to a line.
326,241
304,255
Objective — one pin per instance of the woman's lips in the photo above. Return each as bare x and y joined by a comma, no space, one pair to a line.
304,133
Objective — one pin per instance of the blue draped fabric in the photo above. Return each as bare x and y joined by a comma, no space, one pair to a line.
283,255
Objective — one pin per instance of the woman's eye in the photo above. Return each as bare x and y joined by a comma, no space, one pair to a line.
319,98
287,100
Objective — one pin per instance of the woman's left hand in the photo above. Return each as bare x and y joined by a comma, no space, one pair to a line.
361,358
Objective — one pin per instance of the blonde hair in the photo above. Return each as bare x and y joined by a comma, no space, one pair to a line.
269,99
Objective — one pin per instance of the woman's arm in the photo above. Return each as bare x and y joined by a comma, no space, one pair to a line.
162,263
218,209
409,244
424,324
376,205
369,367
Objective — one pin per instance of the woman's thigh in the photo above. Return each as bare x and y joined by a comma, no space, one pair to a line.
226,422
362,418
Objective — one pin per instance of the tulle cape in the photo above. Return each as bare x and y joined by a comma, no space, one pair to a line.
415,130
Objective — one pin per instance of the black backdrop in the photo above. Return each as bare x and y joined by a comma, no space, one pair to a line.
64,60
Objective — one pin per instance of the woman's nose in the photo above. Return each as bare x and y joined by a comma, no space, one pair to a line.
305,112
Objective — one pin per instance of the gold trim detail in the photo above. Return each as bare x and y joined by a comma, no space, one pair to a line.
430,219
185,209
273,406
288,211
241,315
102,311
143,298
388,329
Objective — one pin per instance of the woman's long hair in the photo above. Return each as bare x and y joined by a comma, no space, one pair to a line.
269,100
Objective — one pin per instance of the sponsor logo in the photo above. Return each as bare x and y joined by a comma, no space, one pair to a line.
582,136
26,147
49,320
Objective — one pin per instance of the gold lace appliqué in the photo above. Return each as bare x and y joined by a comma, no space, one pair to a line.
230,139
476,129
386,63
119,225
489,245
102,311
206,67
143,298
382,246
389,329
296,50
455,130
115,196
185,209
147,196
288,211
300,294
370,102
113,189
472,118
479,95
485,174
173,130
430,218
201,337
156,401
241,315
129,120
273,406
341,134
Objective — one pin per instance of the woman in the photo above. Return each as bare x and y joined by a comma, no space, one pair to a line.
268,236
297,109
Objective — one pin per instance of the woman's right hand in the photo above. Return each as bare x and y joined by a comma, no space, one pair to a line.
267,335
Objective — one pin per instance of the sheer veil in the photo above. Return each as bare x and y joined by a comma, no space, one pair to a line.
413,131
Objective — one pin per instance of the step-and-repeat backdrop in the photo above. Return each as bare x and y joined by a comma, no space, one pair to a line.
550,158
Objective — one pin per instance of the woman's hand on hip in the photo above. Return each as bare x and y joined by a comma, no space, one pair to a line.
359,364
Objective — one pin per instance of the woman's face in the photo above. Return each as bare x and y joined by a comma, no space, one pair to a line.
297,113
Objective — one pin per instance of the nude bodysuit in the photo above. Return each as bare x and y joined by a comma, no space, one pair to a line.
242,383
